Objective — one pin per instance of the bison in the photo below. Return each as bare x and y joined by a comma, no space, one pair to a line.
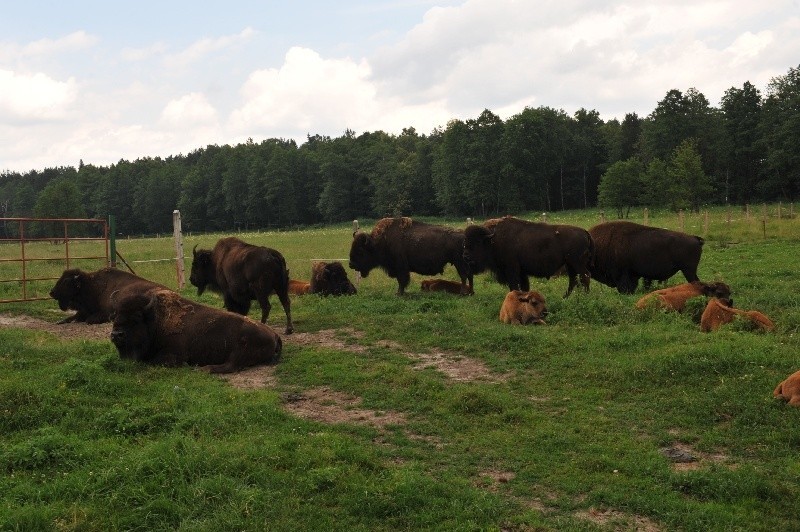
400,246
298,288
627,251
443,285
330,279
789,390
675,297
523,308
89,293
163,328
243,272
718,312
512,249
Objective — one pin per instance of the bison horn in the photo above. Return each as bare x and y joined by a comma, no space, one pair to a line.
113,297
194,251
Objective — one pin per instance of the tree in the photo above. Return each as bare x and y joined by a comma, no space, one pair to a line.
742,154
59,199
780,134
689,186
621,186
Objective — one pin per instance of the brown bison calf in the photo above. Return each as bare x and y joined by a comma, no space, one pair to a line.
718,312
789,390
298,288
166,329
523,308
675,297
89,293
443,285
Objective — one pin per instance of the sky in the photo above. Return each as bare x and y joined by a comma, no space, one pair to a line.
100,81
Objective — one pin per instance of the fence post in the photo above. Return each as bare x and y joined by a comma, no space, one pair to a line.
178,237
705,224
602,217
112,241
646,216
681,221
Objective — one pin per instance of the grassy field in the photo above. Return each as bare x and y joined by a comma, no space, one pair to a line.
424,412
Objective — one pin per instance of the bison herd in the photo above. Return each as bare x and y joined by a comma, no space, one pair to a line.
155,325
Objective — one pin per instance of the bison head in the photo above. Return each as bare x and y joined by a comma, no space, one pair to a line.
133,328
478,248
363,255
717,289
202,269
534,308
67,288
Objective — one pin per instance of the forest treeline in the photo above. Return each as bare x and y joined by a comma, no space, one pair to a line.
684,154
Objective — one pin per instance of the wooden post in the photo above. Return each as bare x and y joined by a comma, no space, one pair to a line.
602,217
747,212
728,217
681,220
646,216
355,227
705,224
177,235
544,217
764,212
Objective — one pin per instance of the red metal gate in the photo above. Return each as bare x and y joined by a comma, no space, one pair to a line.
39,264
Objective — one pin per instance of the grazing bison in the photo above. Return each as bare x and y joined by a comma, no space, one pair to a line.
789,390
400,246
718,312
443,285
512,249
675,297
330,279
523,308
89,293
626,251
243,272
163,328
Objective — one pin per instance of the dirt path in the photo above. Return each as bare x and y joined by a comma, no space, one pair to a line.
65,331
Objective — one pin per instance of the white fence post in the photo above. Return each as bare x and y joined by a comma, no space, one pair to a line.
178,237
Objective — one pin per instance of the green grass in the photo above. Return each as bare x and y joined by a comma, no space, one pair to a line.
577,421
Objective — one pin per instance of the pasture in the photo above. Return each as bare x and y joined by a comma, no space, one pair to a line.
422,411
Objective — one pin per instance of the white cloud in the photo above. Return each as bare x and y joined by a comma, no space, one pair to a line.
76,41
142,54
34,97
203,47
189,111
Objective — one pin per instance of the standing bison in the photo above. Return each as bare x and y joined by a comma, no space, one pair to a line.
163,328
400,246
243,272
89,293
330,279
513,249
626,251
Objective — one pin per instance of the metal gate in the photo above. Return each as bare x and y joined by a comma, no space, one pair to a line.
35,251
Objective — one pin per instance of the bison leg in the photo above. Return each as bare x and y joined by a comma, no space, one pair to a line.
287,308
68,319
626,284
403,278
690,274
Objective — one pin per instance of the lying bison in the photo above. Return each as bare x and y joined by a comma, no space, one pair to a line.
626,251
400,246
523,308
675,297
243,272
443,285
89,293
330,279
719,312
513,249
163,328
789,389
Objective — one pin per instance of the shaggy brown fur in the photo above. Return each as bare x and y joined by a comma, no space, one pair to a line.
523,308
299,288
90,293
789,390
514,249
242,272
400,246
675,297
626,251
164,328
719,312
330,279
443,285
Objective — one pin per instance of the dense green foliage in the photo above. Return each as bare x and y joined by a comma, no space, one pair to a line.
540,159
566,433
